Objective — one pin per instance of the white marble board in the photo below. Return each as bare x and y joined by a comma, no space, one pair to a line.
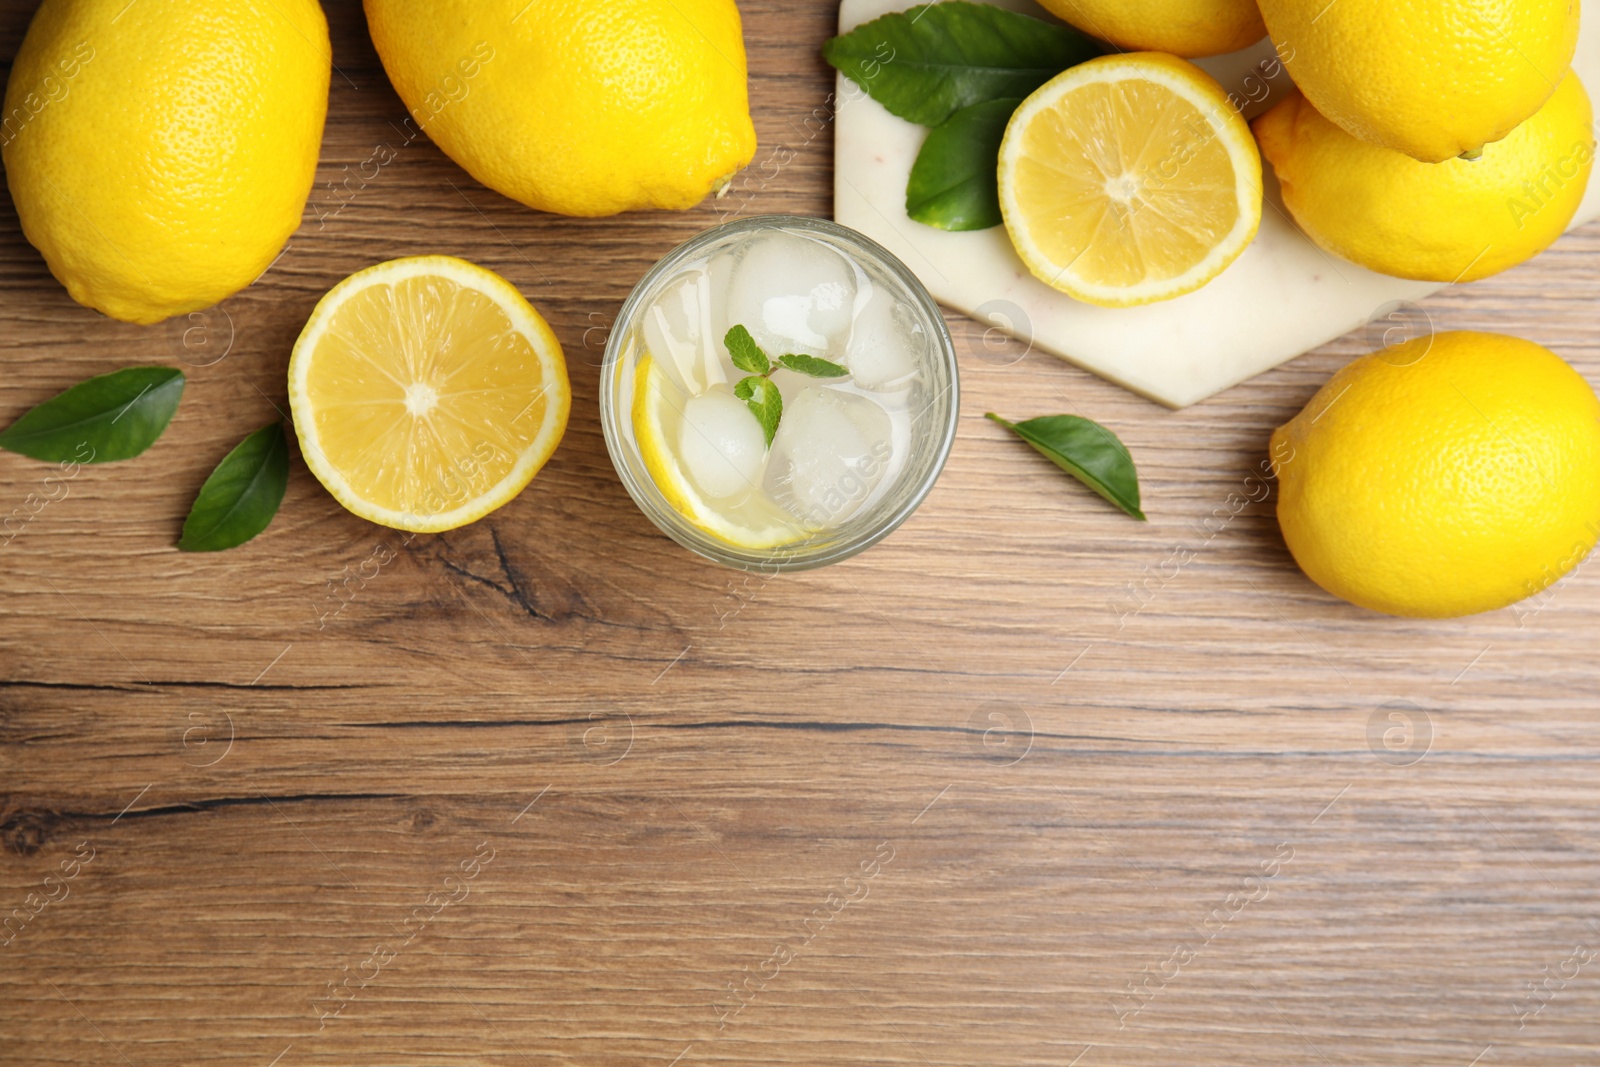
1282,297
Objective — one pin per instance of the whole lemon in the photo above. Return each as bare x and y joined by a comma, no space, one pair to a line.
1182,27
1459,220
1450,475
1431,78
160,155
581,107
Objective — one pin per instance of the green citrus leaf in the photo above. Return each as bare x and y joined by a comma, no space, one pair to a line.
812,366
928,62
747,355
954,182
764,402
241,496
115,416
1087,451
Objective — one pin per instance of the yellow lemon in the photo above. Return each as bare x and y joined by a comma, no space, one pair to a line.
1450,475
1129,179
1431,78
161,154
426,392
1182,27
580,107
657,421
1459,220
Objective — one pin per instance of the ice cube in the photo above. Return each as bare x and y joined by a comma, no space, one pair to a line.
714,314
675,332
793,294
886,345
720,444
829,454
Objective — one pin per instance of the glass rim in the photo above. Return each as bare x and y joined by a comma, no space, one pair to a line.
802,555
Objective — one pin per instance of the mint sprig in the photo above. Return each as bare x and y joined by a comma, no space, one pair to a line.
764,402
758,391
811,365
747,355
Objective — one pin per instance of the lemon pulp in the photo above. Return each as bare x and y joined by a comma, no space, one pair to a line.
426,392
1129,179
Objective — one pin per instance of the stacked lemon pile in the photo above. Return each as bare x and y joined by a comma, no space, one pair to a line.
1438,140
1443,140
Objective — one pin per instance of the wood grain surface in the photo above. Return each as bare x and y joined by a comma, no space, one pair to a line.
1028,783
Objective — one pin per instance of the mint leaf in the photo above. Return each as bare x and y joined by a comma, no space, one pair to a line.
114,416
764,402
747,355
241,495
812,366
954,183
928,62
1087,451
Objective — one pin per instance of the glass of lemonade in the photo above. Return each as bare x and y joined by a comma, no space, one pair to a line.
807,435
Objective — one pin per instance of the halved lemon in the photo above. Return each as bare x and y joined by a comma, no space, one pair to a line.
657,420
1129,179
426,392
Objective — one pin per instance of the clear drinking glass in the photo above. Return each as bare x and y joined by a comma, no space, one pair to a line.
922,408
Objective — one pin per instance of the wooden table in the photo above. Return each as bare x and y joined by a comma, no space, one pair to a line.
550,790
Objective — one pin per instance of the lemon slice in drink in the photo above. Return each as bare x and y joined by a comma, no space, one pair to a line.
657,420
1129,179
426,392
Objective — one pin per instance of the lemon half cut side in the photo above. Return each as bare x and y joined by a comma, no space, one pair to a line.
1129,179
426,392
